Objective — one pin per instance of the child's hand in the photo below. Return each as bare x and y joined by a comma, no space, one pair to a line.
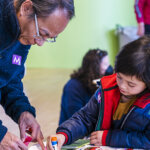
60,141
96,138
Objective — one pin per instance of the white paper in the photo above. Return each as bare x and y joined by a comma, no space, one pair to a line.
36,147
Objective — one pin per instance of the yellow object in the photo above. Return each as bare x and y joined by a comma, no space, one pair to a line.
122,109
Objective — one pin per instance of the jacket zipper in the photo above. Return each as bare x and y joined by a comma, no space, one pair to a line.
126,117
101,112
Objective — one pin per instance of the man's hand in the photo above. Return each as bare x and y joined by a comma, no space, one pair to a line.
96,138
27,121
12,142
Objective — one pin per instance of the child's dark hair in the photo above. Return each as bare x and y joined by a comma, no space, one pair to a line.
134,60
90,69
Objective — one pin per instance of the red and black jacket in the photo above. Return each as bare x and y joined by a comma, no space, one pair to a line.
98,113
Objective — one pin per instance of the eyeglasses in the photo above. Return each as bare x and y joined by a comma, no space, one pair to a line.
40,38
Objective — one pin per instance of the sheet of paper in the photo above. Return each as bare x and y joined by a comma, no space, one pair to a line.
84,147
36,147
90,147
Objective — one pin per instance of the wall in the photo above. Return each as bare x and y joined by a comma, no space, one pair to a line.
92,27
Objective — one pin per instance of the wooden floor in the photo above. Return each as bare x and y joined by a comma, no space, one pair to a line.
44,89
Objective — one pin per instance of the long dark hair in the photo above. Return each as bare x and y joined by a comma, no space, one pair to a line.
44,8
134,60
90,69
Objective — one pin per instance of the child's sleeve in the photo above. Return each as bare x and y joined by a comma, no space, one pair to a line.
138,7
135,132
82,123
128,139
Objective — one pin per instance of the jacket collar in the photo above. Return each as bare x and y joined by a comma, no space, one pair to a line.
143,101
109,82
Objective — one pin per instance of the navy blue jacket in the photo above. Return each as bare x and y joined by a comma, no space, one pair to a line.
12,58
74,97
132,132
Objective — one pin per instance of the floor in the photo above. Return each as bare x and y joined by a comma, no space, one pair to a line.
44,89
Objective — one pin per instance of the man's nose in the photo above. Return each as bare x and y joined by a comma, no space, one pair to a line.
40,42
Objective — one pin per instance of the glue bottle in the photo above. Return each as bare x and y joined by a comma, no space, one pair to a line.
54,142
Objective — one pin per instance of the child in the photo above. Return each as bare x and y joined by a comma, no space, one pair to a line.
118,115
142,11
79,89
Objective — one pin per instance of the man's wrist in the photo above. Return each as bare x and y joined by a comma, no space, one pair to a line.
24,114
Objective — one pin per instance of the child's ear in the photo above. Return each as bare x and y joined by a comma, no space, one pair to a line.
26,8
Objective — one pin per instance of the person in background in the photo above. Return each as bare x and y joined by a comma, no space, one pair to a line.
142,11
118,114
24,23
79,89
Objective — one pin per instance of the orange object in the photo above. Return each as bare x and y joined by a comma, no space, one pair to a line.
54,139
54,143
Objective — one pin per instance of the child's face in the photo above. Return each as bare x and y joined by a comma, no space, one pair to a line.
104,65
130,85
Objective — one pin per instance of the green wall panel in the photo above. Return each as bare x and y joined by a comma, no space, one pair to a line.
92,27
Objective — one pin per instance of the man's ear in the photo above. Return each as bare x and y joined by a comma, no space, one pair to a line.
26,8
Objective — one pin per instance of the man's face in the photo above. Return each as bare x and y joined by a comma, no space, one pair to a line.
49,27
